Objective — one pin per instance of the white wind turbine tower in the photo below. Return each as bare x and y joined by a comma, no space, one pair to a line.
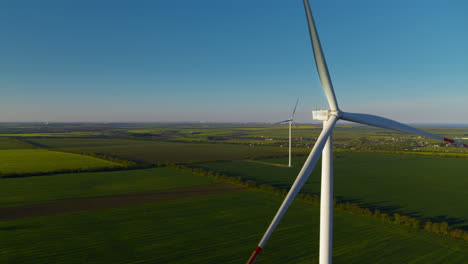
324,145
291,122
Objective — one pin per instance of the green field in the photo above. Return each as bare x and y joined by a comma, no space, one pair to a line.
18,161
64,143
215,229
356,135
418,186
10,143
159,151
19,191
351,137
69,134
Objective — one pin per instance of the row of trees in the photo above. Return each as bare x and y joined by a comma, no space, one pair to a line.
442,228
125,163
44,173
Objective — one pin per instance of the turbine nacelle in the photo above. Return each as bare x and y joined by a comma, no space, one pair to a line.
324,115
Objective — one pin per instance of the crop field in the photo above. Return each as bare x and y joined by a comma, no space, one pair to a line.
419,186
355,137
18,161
166,215
10,143
232,133
221,228
20,191
68,134
347,136
113,201
68,143
159,151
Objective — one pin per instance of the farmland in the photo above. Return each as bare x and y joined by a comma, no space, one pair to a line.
214,229
20,161
113,201
152,211
420,186
10,143
158,151
20,191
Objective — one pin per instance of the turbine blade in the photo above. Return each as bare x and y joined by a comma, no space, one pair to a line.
284,121
382,122
294,123
320,62
294,111
298,183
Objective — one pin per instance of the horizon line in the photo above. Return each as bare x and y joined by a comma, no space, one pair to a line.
211,123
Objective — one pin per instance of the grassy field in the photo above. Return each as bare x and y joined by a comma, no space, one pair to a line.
68,134
423,187
274,134
158,151
64,143
38,161
10,143
355,137
215,229
20,191
218,228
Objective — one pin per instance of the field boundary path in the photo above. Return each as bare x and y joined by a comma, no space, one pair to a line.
112,201
267,163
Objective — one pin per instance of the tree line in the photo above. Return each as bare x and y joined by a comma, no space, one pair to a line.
439,228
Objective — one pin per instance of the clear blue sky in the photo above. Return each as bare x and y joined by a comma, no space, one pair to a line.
243,60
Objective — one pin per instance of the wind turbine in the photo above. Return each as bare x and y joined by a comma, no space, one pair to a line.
324,145
291,122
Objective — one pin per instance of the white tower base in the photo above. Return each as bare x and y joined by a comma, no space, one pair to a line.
290,123
326,204
326,193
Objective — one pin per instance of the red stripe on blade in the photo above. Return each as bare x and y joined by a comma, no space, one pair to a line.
254,255
449,140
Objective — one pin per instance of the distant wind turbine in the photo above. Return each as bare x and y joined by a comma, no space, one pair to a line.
291,122
324,145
